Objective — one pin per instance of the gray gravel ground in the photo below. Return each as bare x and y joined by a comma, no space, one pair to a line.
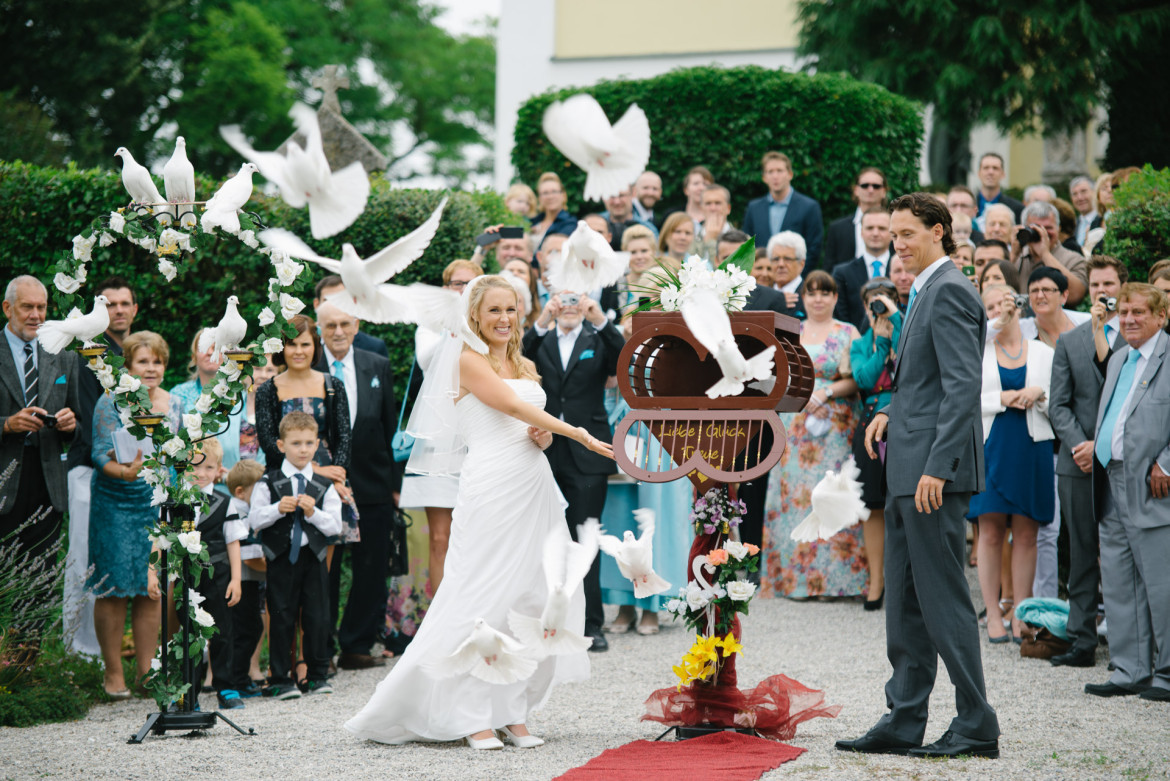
1051,729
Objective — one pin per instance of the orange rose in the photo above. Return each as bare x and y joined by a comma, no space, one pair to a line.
717,557
752,549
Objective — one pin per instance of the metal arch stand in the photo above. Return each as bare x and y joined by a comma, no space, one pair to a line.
181,716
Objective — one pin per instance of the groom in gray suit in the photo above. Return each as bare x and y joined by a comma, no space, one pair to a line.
934,462
1132,448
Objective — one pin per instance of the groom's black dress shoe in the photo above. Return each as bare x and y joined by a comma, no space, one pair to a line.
870,743
955,745
600,644
1156,694
1075,657
1108,689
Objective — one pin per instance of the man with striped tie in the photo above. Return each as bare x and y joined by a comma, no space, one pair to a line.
38,393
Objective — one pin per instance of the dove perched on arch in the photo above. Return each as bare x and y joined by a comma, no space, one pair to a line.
226,336
709,323
587,262
612,156
179,182
335,199
635,556
836,504
140,185
222,207
487,654
566,563
56,335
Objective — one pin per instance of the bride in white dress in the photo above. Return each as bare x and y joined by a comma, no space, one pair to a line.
507,506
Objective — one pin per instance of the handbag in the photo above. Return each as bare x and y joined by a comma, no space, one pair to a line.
402,442
399,556
1039,643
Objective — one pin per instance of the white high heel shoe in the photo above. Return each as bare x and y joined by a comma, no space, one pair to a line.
486,744
521,741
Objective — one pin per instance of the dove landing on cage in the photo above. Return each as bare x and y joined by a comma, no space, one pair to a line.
138,182
836,505
55,335
711,326
565,565
226,336
612,156
229,199
486,654
587,262
635,556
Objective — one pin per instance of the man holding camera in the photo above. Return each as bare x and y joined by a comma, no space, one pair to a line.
575,359
38,393
1037,243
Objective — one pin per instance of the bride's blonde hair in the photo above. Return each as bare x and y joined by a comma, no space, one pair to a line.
522,368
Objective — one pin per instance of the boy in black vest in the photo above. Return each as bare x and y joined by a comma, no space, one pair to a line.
295,512
247,618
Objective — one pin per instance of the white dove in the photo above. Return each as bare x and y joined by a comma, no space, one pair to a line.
487,654
228,199
612,156
836,505
55,335
179,181
635,557
226,336
335,199
587,262
362,297
566,563
139,183
705,316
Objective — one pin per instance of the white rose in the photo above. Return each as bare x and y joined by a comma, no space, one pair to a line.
117,222
167,269
193,422
276,254
173,575
148,244
191,542
287,271
697,597
737,550
274,289
203,618
203,404
79,275
156,664
673,605
290,306
83,247
105,377
128,383
158,495
195,597
221,389
266,317
231,370
171,238
249,238
173,446
150,476
66,283
161,542
273,345
106,240
741,590
124,416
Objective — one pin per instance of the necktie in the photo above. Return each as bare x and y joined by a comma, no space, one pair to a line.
339,371
910,302
1104,444
30,377
877,268
294,552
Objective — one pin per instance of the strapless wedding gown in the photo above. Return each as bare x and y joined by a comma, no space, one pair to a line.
507,505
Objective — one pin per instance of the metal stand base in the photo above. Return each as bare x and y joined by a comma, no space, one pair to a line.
189,721
699,730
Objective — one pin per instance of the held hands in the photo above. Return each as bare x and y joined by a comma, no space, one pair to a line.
1083,456
232,595
1159,482
876,432
594,444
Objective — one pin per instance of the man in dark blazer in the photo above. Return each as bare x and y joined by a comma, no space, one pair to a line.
1073,400
38,393
1132,466
374,477
991,175
783,208
873,262
575,357
934,462
843,241
363,341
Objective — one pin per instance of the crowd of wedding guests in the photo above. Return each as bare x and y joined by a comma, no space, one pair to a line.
311,443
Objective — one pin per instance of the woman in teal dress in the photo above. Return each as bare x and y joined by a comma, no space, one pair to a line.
120,518
819,439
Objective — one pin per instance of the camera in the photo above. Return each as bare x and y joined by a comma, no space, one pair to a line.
570,299
1027,236
1110,303
48,420
1021,301
878,307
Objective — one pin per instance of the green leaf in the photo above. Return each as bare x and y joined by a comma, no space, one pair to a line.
744,257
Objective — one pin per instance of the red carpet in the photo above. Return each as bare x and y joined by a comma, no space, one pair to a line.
728,756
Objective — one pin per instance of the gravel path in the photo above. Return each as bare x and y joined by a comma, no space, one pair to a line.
1051,730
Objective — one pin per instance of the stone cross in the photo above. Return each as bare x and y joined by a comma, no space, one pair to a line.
329,82
341,141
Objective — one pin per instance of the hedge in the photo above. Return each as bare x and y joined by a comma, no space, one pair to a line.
1139,228
41,209
726,119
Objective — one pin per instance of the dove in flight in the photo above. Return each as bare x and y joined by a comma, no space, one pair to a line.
566,563
226,336
179,182
836,505
56,335
228,199
335,199
612,156
635,556
709,323
139,183
487,654
587,262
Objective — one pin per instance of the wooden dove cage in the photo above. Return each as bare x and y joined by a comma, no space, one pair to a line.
673,428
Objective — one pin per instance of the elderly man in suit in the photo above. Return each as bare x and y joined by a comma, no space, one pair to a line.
1073,400
934,461
784,209
375,478
331,284
844,241
1132,469
38,393
575,357
871,263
